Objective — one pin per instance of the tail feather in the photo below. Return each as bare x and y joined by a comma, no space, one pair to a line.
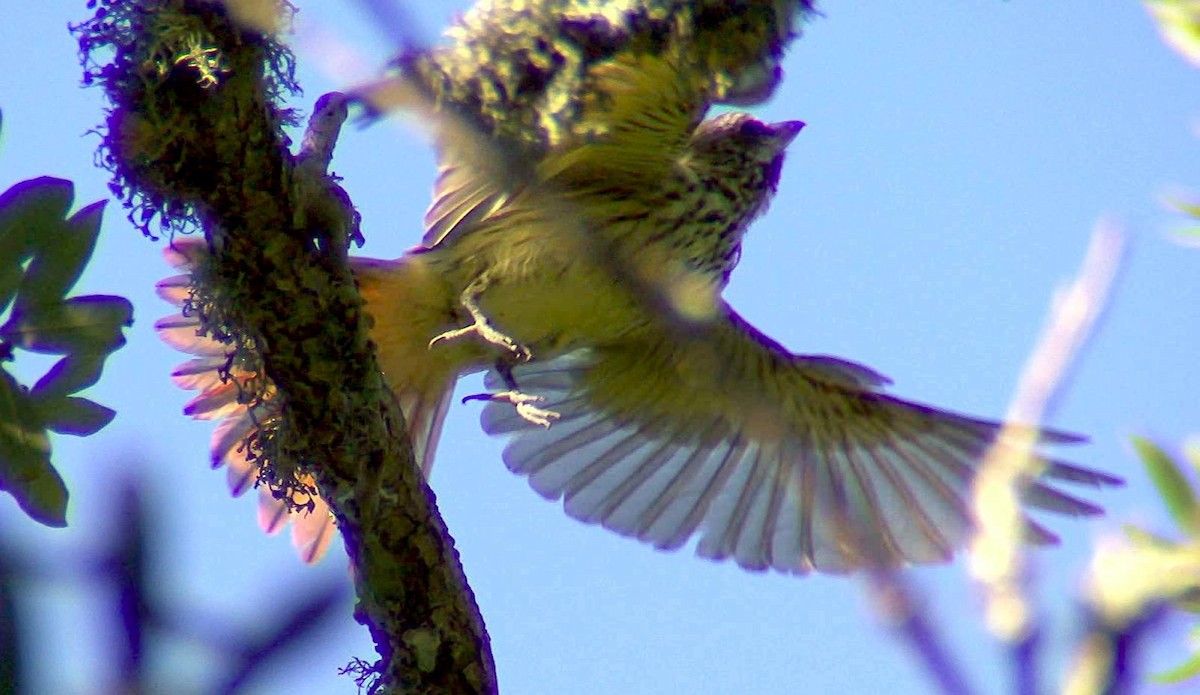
424,417
222,396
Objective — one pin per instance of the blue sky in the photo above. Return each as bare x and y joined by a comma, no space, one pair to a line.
956,157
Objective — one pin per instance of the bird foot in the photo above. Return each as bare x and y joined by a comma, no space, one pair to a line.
522,402
486,332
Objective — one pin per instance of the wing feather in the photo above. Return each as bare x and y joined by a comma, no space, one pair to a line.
637,115
777,461
670,519
621,508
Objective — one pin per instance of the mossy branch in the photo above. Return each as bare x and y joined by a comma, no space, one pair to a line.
195,136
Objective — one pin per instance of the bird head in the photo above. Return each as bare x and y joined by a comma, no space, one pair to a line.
739,145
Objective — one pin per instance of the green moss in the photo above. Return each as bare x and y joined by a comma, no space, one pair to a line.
170,70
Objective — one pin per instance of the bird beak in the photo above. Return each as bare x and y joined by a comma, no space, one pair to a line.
786,131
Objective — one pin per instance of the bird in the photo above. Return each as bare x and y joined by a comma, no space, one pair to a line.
483,241
660,415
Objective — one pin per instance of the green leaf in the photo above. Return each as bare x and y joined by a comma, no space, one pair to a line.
70,374
61,249
22,430
74,415
45,498
80,325
11,273
33,217
42,254
13,253
33,206
25,470
1173,487
10,277
1182,672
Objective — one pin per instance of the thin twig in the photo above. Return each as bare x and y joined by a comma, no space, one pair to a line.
900,606
997,561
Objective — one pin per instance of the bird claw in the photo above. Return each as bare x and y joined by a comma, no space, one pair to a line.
481,327
488,334
522,402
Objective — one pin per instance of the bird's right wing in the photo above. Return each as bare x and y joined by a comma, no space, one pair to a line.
778,460
635,122
635,118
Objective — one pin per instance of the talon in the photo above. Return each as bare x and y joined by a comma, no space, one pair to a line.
451,335
489,335
522,402
481,327
535,415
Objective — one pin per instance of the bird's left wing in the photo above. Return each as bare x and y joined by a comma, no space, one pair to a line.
777,460
226,385
224,388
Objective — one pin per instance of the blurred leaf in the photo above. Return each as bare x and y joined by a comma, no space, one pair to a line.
1179,24
14,631
292,626
1192,453
25,470
74,415
1187,236
1146,538
1173,487
80,325
1189,209
1186,670
1189,601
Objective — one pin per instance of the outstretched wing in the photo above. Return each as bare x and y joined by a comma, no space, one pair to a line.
777,460
223,388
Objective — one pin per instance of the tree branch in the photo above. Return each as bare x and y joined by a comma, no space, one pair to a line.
194,127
